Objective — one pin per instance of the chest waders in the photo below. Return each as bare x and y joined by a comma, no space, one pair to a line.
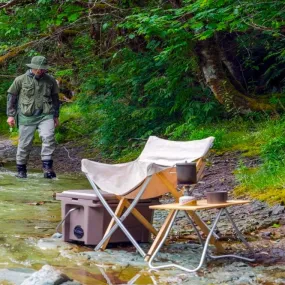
35,102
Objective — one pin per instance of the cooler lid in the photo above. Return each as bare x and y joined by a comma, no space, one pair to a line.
84,194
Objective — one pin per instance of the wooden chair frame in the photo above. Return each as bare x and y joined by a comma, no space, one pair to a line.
125,204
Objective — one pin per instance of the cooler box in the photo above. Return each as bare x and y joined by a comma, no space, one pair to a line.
90,220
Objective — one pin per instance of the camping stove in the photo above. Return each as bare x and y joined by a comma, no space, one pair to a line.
186,180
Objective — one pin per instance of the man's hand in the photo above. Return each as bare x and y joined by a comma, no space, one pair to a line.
11,122
56,122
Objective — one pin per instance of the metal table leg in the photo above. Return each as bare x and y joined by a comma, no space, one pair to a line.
239,234
195,228
205,247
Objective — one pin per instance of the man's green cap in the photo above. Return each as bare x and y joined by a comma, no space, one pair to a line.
38,62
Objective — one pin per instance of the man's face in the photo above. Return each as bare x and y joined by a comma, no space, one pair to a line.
39,72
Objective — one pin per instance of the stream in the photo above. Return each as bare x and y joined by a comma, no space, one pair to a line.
28,219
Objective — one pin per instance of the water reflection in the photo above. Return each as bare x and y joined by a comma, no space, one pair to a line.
102,275
146,276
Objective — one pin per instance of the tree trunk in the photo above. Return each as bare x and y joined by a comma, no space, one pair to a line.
221,86
228,49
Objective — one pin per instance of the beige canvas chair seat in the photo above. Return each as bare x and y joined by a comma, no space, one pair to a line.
152,174
126,179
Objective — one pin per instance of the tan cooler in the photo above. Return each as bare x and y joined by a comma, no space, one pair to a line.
90,220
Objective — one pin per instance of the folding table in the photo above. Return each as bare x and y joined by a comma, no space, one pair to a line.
201,205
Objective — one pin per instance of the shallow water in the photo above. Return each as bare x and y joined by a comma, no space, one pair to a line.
30,213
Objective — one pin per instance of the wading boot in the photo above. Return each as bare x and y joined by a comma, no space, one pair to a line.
47,169
22,171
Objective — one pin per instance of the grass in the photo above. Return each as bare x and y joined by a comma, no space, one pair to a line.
70,127
264,139
264,183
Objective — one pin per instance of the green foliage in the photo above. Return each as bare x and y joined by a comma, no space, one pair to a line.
264,65
4,128
274,151
72,125
5,82
64,73
133,68
138,96
266,180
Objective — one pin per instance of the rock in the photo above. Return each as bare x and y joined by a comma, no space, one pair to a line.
282,222
15,276
48,276
52,243
277,235
57,235
238,264
246,279
278,209
266,235
114,257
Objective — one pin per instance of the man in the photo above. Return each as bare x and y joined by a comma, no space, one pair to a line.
33,100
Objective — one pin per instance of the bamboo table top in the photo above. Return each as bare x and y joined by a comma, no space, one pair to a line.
201,205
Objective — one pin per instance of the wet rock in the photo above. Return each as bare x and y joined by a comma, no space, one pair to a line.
246,280
15,276
53,243
236,273
114,257
49,276
57,235
175,280
238,264
187,255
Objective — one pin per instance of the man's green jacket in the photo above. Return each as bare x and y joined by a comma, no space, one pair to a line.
33,99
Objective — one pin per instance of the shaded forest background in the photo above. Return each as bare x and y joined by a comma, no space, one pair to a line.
179,69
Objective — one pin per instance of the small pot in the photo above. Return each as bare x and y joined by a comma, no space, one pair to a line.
186,173
217,197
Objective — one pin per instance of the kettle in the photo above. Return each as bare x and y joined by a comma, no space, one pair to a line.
186,173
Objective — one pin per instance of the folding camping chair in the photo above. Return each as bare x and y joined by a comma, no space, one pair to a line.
151,175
